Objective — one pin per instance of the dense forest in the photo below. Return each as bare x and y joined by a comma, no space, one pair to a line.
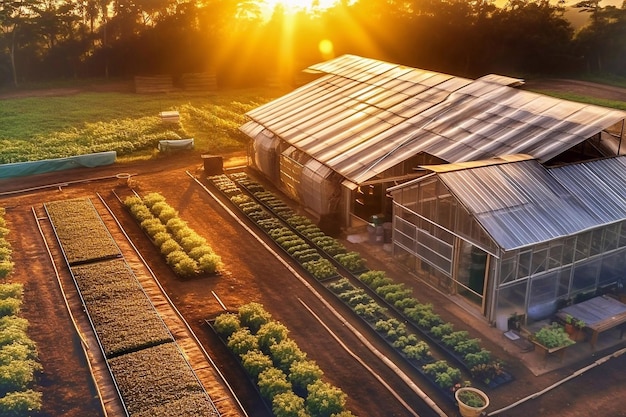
242,44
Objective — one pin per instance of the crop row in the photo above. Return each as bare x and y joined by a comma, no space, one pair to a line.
285,378
19,362
415,351
149,370
81,232
122,315
457,344
6,265
184,250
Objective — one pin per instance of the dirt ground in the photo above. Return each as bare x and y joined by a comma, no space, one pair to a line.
251,274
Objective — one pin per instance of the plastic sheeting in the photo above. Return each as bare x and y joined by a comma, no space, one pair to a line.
22,169
175,145
365,116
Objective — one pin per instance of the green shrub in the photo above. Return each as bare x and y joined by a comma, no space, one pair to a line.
192,241
20,404
175,257
303,373
151,199
271,333
9,306
210,263
161,238
186,267
253,316
153,226
242,341
167,214
288,404
226,324
272,382
169,246
255,362
324,400
141,212
285,353
11,291
175,225
199,251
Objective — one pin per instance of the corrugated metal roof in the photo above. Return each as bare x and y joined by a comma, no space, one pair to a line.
522,203
365,116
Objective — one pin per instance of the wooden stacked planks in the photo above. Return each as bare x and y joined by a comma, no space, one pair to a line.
154,84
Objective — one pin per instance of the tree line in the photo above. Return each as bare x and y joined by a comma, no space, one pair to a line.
237,41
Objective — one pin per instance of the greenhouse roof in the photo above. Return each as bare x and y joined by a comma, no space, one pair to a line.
364,116
523,203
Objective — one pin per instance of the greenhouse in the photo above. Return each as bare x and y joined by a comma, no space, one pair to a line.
511,236
336,144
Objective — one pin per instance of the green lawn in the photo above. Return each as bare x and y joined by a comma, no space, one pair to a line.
38,128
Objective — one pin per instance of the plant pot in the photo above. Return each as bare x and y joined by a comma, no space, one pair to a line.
467,410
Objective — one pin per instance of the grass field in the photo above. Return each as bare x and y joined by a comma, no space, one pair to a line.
36,128
46,127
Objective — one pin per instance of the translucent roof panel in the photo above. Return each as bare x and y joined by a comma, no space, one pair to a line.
522,203
365,116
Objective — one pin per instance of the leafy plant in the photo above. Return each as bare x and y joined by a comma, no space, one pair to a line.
472,399
552,336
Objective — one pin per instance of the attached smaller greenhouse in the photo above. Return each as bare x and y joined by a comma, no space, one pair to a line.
512,236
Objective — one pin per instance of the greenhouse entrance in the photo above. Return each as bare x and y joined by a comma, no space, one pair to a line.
470,276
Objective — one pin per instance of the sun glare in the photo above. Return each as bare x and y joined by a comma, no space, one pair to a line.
297,5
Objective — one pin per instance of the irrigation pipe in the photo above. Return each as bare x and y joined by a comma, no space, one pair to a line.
562,381
405,378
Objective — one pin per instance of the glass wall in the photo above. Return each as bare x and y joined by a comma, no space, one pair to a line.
540,279
436,237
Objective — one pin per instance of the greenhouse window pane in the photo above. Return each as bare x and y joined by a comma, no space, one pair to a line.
611,237
585,276
555,254
568,250
507,270
622,237
523,264
583,241
596,242
539,260
564,281
613,267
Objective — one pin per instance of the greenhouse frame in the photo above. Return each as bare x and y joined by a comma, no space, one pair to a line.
336,144
511,236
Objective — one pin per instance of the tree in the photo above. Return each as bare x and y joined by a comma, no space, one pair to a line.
14,15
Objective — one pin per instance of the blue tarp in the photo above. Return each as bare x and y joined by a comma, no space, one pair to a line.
22,169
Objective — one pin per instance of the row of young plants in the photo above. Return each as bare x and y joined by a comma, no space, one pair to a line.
289,382
416,352
80,231
19,362
6,264
184,250
467,351
294,245
350,260
152,375
457,343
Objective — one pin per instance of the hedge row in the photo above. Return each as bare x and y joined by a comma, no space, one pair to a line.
19,362
290,382
81,232
184,250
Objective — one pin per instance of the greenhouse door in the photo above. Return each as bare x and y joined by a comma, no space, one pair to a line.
470,276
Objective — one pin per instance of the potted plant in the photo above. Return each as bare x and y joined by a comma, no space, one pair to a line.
515,321
472,402
552,338
574,328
